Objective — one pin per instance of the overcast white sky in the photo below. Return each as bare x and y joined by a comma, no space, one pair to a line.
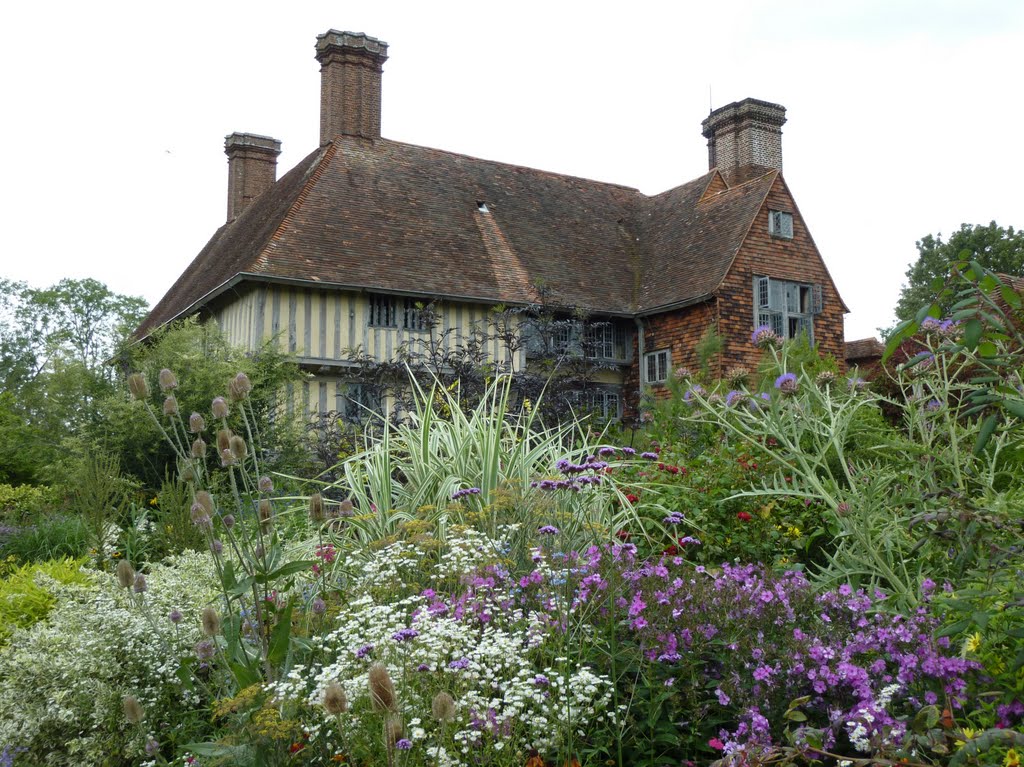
904,115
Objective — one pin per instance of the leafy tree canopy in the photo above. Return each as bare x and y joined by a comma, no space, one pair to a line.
992,246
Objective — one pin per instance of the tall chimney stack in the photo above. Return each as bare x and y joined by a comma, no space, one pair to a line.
252,168
351,65
745,139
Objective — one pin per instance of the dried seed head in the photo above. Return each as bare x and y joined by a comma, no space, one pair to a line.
382,689
196,423
266,485
238,447
216,546
266,512
205,649
239,387
211,622
393,730
125,574
175,616
224,439
345,508
227,458
198,448
316,507
167,380
229,521
133,709
139,584
219,406
443,707
335,700
138,386
199,516
319,606
187,471
205,500
170,406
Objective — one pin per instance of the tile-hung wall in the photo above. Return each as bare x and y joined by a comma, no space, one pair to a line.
317,326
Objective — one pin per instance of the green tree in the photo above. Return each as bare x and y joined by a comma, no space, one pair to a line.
53,345
992,246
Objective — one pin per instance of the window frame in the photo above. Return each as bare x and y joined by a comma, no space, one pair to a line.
788,307
662,359
780,224
382,311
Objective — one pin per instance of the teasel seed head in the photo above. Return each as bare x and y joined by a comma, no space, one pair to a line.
175,616
224,439
266,485
238,447
229,521
139,584
382,689
316,507
266,513
133,709
227,458
443,707
125,574
335,699
239,387
198,448
138,386
345,508
216,546
211,622
219,407
393,731
167,380
205,500
196,423
170,406
319,606
199,516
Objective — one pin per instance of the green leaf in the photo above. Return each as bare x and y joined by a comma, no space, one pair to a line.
980,617
925,719
244,675
285,570
241,587
796,716
987,427
1010,296
279,639
1018,662
1014,406
972,333
987,349
954,628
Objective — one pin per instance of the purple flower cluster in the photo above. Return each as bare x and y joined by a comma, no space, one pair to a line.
575,476
405,634
464,492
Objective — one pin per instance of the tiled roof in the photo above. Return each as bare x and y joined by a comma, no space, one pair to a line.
389,216
864,349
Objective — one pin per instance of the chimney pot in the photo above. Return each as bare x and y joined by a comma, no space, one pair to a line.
351,65
745,139
252,168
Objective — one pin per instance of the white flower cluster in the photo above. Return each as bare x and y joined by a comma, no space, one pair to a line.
63,680
514,688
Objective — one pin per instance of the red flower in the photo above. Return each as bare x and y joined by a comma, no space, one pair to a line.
671,550
623,535
632,498
743,516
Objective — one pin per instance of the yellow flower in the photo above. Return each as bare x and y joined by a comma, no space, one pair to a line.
1012,758
967,733
154,501
972,643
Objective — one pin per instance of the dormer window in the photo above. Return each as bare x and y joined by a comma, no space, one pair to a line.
780,224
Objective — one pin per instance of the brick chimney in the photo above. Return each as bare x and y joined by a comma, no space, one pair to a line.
252,168
350,73
745,139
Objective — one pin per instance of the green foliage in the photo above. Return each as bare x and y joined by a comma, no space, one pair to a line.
992,246
24,503
52,537
708,348
207,362
53,344
25,598
100,498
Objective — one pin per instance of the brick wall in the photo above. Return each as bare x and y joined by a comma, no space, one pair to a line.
795,260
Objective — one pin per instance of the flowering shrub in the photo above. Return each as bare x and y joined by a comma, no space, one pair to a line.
63,681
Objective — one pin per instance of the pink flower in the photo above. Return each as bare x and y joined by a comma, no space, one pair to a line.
716,744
